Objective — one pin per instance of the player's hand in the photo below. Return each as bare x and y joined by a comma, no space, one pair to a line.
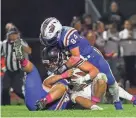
70,72
79,80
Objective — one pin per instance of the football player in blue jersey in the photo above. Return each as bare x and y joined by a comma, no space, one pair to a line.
67,38
55,95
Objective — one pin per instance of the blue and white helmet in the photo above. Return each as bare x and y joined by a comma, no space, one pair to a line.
50,31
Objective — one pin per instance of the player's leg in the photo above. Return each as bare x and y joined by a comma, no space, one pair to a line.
61,103
99,87
87,103
125,95
104,67
83,98
33,85
33,89
112,84
84,102
55,93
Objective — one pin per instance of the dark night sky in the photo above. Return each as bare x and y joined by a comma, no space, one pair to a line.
27,15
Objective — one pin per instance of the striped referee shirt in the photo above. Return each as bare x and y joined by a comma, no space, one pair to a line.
8,51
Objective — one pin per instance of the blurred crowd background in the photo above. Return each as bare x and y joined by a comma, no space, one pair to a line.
108,25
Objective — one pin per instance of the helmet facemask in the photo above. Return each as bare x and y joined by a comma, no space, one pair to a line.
55,59
50,42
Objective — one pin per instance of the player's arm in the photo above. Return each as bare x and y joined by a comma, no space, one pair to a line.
75,58
90,69
51,80
73,45
54,78
84,66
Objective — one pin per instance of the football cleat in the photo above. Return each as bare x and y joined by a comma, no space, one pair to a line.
18,47
118,105
95,107
40,104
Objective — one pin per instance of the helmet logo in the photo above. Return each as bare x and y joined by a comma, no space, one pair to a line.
52,27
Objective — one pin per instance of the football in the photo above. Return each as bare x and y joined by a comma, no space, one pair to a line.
78,73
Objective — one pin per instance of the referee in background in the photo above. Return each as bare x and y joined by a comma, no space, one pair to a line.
14,75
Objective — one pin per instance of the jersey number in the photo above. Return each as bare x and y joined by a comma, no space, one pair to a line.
73,41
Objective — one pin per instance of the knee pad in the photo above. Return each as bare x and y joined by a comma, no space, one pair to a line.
115,86
101,76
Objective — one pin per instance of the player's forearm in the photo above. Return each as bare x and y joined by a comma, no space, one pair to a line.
51,80
93,73
89,68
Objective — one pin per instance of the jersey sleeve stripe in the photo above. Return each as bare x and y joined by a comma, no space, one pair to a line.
58,107
66,36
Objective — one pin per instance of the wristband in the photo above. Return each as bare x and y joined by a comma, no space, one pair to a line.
24,62
64,75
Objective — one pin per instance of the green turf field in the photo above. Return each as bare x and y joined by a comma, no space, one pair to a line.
14,111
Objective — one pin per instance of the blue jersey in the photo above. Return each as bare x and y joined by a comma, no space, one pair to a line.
34,91
70,39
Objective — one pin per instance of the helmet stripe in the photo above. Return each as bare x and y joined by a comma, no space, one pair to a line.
70,32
